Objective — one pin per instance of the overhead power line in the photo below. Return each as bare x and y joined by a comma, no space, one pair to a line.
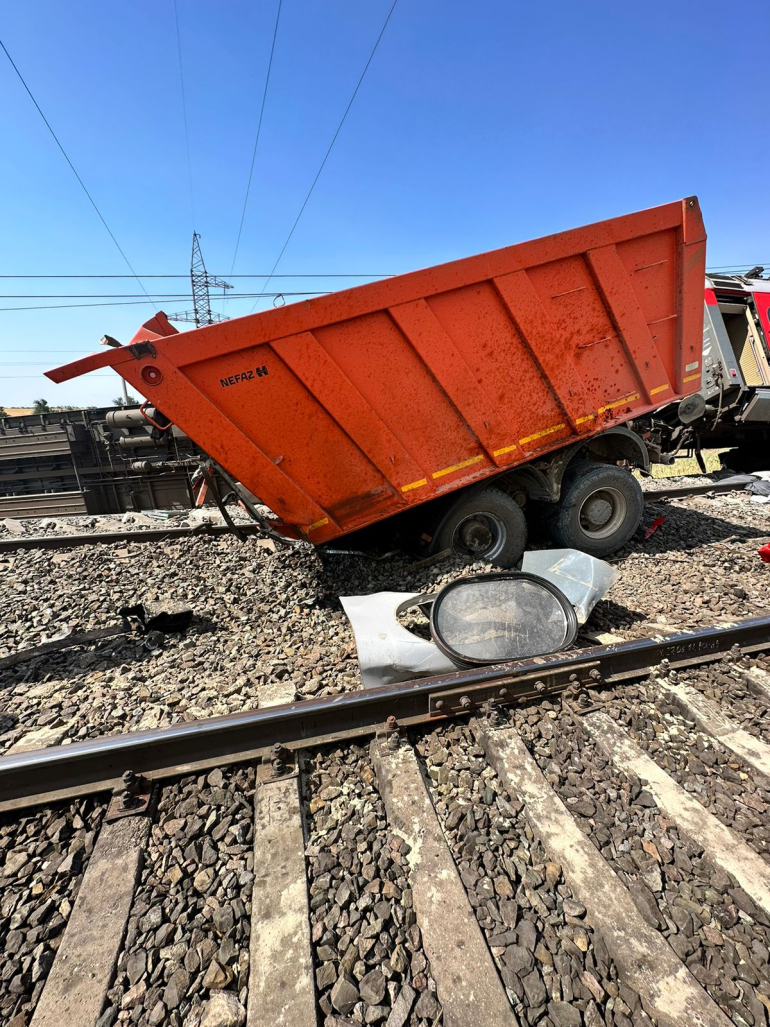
137,295
42,376
141,303
739,267
260,275
72,166
330,147
184,115
256,139
24,363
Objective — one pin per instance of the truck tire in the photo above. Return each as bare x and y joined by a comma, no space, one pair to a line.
485,525
600,508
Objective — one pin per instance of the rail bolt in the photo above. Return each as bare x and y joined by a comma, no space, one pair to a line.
128,800
492,712
394,736
278,760
465,702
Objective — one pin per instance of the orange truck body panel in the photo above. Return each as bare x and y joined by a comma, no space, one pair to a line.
349,408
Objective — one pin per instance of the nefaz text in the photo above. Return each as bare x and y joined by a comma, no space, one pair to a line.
243,376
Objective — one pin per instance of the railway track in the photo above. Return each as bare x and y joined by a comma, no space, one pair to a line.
168,533
592,851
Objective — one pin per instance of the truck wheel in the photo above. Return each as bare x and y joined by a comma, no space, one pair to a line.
485,525
599,510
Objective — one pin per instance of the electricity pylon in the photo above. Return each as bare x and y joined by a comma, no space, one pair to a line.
202,281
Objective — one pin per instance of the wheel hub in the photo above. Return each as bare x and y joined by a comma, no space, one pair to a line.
475,535
603,512
597,511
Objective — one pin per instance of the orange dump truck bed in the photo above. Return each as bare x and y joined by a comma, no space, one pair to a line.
343,410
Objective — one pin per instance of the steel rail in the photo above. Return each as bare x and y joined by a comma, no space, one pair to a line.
713,487
43,775
107,537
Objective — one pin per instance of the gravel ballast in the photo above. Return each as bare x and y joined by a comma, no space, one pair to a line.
187,941
264,616
736,794
367,945
43,858
727,685
707,918
555,967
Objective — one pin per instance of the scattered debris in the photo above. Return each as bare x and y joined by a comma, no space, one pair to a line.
650,531
134,619
387,651
582,578
490,618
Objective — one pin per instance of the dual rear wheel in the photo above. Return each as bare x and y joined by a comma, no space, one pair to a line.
599,509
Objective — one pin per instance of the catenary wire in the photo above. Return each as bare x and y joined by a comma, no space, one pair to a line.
72,166
256,139
9,376
331,147
187,276
136,303
738,267
184,114
136,295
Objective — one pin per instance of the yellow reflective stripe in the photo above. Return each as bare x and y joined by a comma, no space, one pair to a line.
660,388
457,467
540,434
691,377
505,449
620,402
586,417
414,485
318,524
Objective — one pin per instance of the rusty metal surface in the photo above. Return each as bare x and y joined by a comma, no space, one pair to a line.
345,409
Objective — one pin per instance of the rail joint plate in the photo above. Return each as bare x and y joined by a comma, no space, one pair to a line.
508,691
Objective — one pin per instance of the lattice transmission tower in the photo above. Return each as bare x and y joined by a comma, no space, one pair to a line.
202,282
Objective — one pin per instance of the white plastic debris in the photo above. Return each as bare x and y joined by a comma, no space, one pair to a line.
582,578
387,651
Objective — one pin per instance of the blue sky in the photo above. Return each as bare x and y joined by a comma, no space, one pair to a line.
476,126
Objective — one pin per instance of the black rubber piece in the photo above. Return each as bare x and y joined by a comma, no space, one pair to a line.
501,506
580,481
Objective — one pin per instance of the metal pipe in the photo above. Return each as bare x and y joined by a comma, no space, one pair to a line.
158,466
85,767
138,442
129,418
